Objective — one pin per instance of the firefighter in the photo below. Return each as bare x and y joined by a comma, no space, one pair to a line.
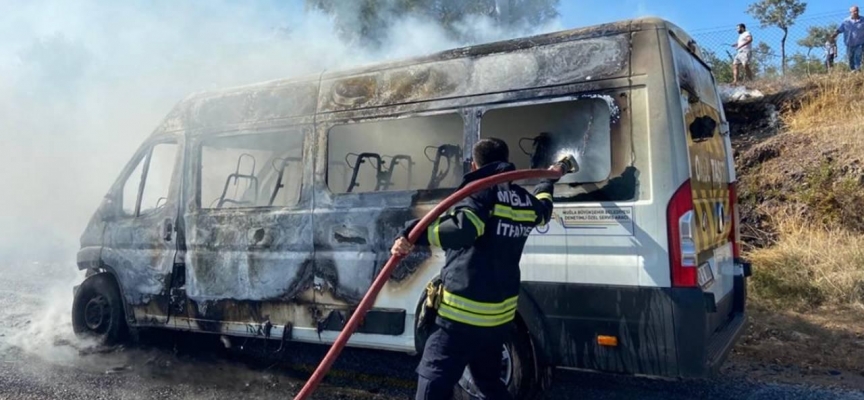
483,236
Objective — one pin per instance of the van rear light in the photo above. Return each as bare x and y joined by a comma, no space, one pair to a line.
681,222
735,232
608,341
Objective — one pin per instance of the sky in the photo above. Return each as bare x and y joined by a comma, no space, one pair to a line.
691,15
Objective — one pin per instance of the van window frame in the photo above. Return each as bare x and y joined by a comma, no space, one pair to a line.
144,156
425,195
202,140
483,109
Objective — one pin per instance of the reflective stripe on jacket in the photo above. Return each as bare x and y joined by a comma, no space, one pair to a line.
483,237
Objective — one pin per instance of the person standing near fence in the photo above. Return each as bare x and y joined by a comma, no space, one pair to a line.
852,29
830,52
745,53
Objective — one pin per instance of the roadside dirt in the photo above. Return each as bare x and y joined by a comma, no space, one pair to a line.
822,347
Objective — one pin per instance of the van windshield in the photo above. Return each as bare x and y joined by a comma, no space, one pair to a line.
252,170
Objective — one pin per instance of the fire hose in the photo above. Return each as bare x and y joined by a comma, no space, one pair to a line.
566,165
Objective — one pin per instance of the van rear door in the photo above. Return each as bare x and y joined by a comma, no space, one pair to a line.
711,222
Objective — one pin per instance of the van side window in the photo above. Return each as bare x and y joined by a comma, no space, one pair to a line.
155,170
538,135
416,153
160,169
251,170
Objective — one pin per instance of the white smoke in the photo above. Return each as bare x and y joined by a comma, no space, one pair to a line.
83,83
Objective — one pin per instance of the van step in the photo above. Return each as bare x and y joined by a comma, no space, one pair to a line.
723,339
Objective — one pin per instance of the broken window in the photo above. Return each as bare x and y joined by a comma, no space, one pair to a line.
251,170
416,153
157,183
155,170
131,189
538,135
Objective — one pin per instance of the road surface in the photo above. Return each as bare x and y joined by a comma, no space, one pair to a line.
41,359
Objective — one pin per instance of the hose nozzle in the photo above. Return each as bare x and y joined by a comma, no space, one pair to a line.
568,164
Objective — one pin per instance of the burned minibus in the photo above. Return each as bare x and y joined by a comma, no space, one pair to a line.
267,210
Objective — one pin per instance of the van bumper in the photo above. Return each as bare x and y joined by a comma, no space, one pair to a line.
665,332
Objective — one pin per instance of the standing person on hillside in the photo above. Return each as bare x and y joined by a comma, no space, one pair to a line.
745,52
852,29
830,52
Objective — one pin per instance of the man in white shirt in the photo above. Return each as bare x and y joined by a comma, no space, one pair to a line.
744,47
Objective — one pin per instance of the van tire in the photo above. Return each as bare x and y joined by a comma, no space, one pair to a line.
97,311
522,384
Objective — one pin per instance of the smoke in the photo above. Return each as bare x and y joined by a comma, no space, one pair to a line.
83,83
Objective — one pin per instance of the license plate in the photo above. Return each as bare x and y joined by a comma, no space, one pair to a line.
705,275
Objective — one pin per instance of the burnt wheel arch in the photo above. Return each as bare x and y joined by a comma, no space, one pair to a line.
98,310
109,270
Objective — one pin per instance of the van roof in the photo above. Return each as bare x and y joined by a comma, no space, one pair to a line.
299,95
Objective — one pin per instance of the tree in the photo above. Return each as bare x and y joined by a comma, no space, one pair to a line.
366,22
816,38
779,13
761,62
801,65
721,69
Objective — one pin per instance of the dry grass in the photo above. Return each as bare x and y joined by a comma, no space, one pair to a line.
802,201
809,267
832,115
837,101
813,178
805,191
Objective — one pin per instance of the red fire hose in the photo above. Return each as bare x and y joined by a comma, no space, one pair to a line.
365,304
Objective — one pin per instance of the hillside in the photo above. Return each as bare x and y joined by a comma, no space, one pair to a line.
799,152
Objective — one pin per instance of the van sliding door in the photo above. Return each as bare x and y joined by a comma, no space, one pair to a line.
380,174
249,231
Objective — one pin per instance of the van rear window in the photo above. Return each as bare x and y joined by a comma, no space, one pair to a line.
539,134
251,170
416,153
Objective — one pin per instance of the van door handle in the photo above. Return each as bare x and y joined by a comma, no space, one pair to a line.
167,228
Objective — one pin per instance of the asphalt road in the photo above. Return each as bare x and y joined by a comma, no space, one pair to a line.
41,359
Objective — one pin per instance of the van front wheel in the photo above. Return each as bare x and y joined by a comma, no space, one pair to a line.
97,310
517,369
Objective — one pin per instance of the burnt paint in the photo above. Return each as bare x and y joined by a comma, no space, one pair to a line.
230,272
349,267
553,64
134,247
376,321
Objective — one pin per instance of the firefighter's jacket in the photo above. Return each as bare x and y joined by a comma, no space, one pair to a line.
483,236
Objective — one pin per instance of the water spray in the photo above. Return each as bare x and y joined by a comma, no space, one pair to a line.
565,164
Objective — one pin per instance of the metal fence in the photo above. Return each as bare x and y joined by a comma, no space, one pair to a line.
805,47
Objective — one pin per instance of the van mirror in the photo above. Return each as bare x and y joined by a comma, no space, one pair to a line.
702,128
